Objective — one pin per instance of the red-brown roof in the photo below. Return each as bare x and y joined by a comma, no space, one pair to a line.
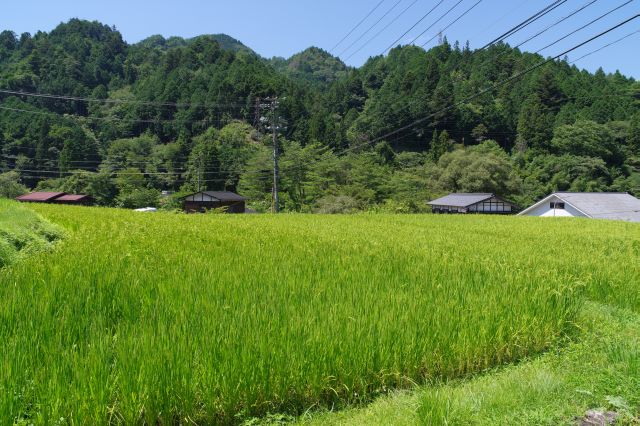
40,196
72,197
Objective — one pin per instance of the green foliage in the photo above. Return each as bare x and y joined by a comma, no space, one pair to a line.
10,186
136,198
440,145
483,168
187,103
535,125
587,138
313,65
634,134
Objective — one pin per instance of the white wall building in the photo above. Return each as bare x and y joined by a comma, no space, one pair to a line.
594,205
464,203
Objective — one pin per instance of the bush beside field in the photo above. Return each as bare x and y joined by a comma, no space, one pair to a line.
216,319
23,232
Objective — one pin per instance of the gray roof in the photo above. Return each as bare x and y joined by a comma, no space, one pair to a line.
222,195
604,205
460,199
225,195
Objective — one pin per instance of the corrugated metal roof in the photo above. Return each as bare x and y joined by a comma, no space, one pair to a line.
40,196
461,199
72,197
604,205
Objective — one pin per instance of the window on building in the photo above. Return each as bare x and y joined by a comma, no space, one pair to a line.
557,206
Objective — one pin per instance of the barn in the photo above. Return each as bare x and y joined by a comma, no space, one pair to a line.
200,202
593,205
468,203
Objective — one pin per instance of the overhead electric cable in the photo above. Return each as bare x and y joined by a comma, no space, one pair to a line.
412,27
493,23
539,33
121,101
510,32
436,21
605,46
526,22
496,85
382,30
453,22
108,119
357,26
370,28
585,25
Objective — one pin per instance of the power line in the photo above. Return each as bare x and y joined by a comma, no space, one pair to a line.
605,46
118,172
488,27
561,38
526,22
538,34
454,21
584,26
371,27
514,30
115,178
436,21
425,16
120,101
494,86
109,159
108,119
357,26
106,166
382,30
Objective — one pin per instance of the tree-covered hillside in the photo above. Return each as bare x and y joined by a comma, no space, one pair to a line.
313,65
128,121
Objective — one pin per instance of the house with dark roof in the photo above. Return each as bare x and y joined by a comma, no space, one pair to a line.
593,205
200,202
55,198
467,203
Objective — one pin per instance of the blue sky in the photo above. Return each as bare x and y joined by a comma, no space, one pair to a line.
284,27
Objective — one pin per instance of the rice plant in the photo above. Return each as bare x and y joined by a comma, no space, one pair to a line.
216,319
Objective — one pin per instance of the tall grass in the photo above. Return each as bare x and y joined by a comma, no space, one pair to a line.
214,319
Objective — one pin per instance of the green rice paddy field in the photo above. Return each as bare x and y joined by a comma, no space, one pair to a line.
173,319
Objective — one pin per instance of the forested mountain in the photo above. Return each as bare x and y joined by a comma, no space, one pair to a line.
313,65
159,42
164,114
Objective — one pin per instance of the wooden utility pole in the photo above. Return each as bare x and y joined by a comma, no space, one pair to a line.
274,124
276,169
199,170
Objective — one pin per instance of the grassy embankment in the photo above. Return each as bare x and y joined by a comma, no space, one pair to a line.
221,318
23,232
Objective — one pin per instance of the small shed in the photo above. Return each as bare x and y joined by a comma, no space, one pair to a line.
74,199
466,203
200,202
593,205
40,197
